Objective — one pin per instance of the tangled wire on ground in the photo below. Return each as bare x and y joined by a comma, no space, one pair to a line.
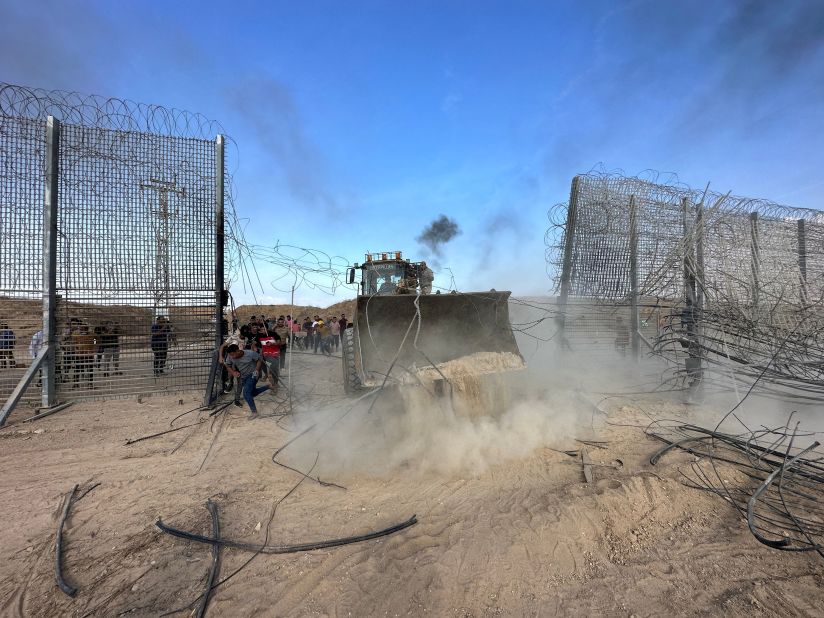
776,485
734,345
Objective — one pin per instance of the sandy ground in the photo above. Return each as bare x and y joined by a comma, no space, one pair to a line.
525,537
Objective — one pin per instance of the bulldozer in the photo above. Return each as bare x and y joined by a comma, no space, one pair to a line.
399,334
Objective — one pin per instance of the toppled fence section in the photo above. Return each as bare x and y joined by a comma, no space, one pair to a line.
700,277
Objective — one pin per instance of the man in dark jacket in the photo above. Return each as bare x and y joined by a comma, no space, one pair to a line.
310,333
161,336
108,343
7,341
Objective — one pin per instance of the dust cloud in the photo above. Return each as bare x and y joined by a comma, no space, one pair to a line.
411,434
483,421
465,430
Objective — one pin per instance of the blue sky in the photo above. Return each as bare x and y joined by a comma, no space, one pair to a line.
358,123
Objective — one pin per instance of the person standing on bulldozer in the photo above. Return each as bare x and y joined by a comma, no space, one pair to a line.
426,277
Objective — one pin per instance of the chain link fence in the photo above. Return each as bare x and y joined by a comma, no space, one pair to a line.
137,253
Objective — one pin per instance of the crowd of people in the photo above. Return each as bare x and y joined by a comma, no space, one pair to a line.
81,350
86,352
258,349
314,334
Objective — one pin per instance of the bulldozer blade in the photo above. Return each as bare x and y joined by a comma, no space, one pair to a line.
451,326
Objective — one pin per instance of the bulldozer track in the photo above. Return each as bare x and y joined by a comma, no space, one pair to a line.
351,380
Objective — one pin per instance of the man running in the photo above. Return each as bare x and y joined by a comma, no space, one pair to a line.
246,365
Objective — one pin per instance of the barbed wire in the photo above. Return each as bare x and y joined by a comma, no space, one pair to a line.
301,267
142,150
304,268
601,249
91,110
777,489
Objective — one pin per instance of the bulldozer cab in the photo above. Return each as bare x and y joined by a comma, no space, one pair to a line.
383,278
385,274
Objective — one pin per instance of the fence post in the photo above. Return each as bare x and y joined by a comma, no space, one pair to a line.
802,260
633,278
690,316
689,259
566,268
50,202
700,283
755,262
220,194
220,151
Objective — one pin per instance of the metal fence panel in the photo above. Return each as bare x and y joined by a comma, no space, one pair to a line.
136,257
136,251
22,164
